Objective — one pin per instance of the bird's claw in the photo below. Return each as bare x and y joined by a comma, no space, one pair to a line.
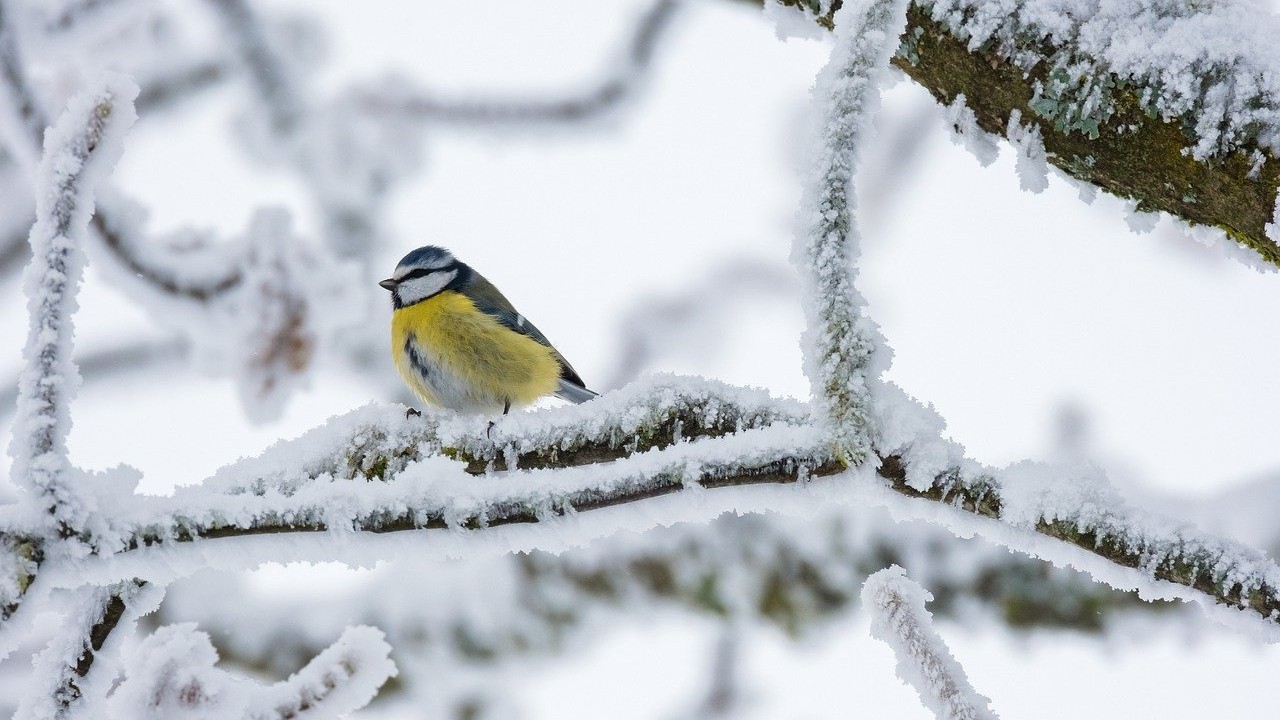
412,412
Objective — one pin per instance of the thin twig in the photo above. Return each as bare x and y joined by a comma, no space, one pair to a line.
617,87
263,64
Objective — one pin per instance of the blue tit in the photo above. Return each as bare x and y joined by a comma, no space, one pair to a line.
458,343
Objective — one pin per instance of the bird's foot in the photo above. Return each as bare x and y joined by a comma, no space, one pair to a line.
489,430
412,412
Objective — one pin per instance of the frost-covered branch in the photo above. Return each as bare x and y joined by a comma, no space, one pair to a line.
79,151
341,679
794,573
161,91
1076,506
67,668
620,83
173,675
126,245
899,618
267,72
115,232
841,342
1172,106
374,471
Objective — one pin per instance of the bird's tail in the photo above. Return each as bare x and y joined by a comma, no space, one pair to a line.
573,392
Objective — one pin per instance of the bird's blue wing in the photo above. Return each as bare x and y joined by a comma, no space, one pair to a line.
490,301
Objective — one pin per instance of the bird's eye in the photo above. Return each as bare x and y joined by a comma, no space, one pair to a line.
416,273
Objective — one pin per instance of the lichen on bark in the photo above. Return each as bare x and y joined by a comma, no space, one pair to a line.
1132,153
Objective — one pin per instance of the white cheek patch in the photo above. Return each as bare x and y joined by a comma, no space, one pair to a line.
411,291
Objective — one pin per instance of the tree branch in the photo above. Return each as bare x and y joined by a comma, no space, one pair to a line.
843,347
79,151
374,471
24,106
66,664
263,65
1126,130
114,231
618,85
1227,572
172,674
899,618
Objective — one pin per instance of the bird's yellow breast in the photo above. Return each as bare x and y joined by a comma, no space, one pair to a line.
465,359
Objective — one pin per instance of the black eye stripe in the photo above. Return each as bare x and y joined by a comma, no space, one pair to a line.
413,274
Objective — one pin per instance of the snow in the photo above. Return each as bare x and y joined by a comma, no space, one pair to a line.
61,691
79,151
1032,164
908,429
966,133
257,308
843,348
1213,62
172,674
1273,227
792,22
1140,221
899,618
292,301
343,678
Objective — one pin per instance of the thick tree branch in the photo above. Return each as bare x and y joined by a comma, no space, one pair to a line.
1119,140
398,482
1230,574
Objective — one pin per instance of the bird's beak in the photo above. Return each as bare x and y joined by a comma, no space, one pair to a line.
388,284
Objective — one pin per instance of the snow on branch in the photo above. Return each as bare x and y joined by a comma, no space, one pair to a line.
343,678
79,151
619,83
899,618
1077,506
1174,106
841,342
173,675
18,566
68,667
119,235
374,470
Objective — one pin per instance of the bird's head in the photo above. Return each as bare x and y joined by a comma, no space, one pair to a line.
424,273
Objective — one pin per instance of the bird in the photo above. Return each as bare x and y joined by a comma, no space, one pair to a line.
460,344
